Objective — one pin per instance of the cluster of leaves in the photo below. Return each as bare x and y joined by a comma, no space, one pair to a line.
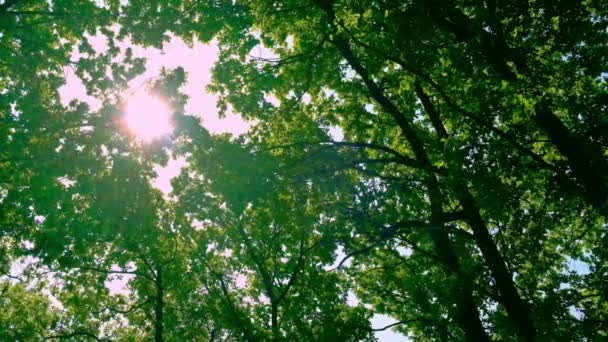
455,152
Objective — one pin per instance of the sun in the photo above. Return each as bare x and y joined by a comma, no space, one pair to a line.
147,116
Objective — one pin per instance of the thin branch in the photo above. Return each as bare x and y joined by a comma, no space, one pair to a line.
387,233
297,269
100,270
405,322
351,255
131,309
293,58
10,276
71,335
268,283
45,13
148,265
324,145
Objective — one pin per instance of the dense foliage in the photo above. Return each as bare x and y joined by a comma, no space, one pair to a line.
444,162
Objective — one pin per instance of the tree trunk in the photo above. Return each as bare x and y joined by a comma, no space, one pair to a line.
509,298
466,307
274,321
468,315
158,308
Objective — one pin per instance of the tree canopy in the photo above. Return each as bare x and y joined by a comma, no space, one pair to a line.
445,163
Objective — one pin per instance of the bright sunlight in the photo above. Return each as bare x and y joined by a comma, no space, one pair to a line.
147,116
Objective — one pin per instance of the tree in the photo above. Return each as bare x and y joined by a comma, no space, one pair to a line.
307,69
262,248
454,153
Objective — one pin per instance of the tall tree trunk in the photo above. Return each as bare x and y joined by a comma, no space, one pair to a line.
509,298
467,312
274,321
158,307
468,315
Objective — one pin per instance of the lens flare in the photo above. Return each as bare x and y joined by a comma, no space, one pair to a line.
147,116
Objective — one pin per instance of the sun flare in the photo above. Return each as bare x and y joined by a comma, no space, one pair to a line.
147,116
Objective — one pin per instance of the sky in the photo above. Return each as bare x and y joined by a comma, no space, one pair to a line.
197,62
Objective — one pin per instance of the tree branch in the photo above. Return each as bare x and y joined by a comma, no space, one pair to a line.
404,322
100,270
71,335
